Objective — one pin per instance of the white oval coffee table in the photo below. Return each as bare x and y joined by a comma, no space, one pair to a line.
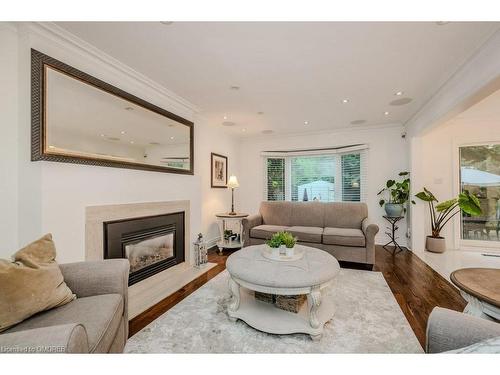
250,272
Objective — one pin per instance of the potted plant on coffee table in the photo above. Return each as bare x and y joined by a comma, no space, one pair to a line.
398,193
282,243
442,213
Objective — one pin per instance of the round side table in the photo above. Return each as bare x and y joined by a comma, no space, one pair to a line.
224,220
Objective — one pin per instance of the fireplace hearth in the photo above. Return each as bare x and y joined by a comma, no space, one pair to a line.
151,244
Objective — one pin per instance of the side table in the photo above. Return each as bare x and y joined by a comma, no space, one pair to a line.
223,220
392,234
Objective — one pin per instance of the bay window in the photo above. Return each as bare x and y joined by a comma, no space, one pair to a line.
332,175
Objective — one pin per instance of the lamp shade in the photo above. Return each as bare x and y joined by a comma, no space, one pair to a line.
233,182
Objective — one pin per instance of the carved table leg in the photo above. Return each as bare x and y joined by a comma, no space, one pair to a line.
234,304
474,306
314,299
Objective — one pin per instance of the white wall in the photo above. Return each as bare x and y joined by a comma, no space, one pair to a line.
53,196
8,151
387,156
435,162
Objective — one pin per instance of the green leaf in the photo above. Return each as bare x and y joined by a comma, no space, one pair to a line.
469,203
390,183
424,196
404,173
381,202
381,191
446,205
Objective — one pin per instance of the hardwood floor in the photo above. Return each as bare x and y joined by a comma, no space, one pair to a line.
416,287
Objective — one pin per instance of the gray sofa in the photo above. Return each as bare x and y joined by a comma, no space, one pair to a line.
449,330
341,228
95,322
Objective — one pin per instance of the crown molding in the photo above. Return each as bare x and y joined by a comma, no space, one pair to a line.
321,132
59,35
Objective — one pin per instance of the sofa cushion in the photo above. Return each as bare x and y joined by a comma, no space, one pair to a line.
307,234
100,316
345,214
266,231
307,214
276,213
343,236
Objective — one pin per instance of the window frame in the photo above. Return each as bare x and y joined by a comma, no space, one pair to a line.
458,241
338,152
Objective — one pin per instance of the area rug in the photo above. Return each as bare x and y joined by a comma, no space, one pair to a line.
367,320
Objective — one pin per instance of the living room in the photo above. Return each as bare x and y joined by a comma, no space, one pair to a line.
189,186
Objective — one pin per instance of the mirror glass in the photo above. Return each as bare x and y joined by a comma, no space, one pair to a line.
84,121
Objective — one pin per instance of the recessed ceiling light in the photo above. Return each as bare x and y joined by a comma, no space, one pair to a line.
228,123
399,93
386,113
260,113
123,132
225,117
132,142
267,131
401,101
172,138
129,108
234,87
345,101
103,135
243,130
306,122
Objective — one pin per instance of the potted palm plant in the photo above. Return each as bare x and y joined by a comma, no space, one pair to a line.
398,194
441,214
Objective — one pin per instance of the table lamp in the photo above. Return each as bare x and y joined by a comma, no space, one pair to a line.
232,184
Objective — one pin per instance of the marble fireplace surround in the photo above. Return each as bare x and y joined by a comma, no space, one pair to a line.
152,290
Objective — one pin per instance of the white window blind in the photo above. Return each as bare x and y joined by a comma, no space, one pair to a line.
275,179
327,176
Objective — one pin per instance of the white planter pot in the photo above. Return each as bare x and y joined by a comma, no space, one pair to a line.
435,244
282,249
275,251
290,251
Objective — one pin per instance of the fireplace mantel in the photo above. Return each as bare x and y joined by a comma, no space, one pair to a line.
152,290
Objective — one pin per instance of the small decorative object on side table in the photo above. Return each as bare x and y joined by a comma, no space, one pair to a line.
392,234
480,287
233,240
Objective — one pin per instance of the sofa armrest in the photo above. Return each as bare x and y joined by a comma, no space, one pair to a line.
65,338
99,277
450,330
369,229
248,223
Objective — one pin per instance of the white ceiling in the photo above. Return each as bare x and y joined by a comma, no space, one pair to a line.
293,72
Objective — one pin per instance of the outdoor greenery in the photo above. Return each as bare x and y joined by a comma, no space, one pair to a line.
282,238
276,179
398,192
442,212
306,169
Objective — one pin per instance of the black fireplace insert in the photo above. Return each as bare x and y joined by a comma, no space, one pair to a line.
151,244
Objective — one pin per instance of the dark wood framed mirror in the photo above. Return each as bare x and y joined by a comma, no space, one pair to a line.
77,118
